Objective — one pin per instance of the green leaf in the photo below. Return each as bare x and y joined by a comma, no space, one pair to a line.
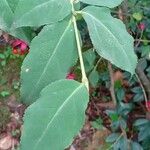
94,77
22,33
112,137
5,93
110,38
107,3
136,146
144,133
138,97
137,90
13,4
123,123
6,15
138,16
115,125
89,58
120,94
97,124
6,19
3,63
52,53
124,108
56,117
113,115
37,13
145,50
141,122
123,143
2,56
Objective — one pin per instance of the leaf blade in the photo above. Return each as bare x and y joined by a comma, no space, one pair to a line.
6,18
37,9
55,51
108,3
55,103
110,38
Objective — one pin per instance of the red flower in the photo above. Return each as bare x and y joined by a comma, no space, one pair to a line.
20,46
141,26
70,76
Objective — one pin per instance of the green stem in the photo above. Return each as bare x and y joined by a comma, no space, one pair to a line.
84,77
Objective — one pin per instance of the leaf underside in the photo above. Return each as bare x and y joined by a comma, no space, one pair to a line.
42,12
106,3
56,117
7,8
110,38
52,53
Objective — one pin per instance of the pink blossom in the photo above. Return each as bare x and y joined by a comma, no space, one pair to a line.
141,26
70,76
21,46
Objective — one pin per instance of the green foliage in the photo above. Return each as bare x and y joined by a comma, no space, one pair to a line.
144,129
94,77
136,146
112,137
103,30
120,94
49,122
4,93
6,16
108,3
97,124
54,118
138,16
89,57
13,4
6,20
138,94
28,13
52,54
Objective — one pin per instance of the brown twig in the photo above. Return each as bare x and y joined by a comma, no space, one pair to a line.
112,91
